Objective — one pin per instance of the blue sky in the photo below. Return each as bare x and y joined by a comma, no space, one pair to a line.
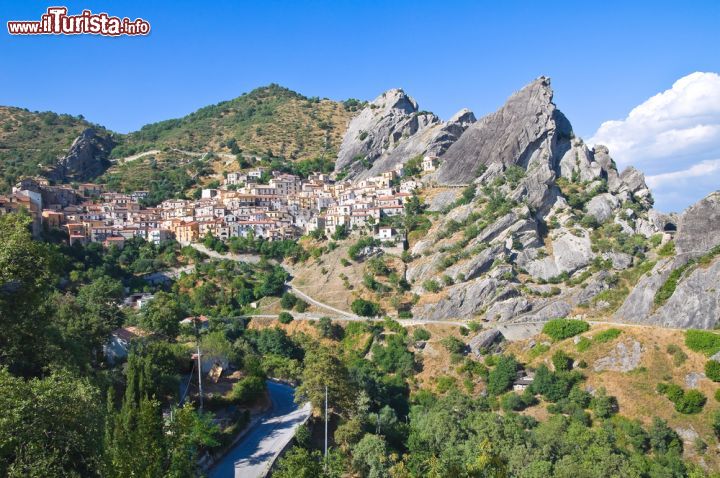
605,58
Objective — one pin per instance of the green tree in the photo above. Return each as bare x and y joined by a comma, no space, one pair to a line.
365,308
288,300
162,315
562,361
285,317
25,279
324,368
248,389
602,404
501,377
51,428
299,463
370,457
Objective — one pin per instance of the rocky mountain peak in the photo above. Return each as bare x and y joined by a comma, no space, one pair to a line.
395,99
391,130
527,125
464,117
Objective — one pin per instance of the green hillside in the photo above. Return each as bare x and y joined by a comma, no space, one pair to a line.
31,140
268,121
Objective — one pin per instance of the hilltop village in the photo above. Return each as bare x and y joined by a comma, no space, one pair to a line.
266,204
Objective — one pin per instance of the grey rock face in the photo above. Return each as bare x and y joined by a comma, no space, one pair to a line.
699,227
478,264
462,301
508,309
86,159
444,199
484,341
695,302
624,357
578,163
546,310
639,303
526,125
391,130
602,207
570,253
619,260
692,380
593,288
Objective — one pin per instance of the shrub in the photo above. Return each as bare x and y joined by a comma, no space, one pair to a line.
365,308
248,389
288,300
712,370
431,285
702,341
560,329
687,402
512,402
301,306
668,288
285,317
692,402
716,423
421,334
667,249
679,357
583,344
453,345
562,361
503,375
603,405
445,383
607,335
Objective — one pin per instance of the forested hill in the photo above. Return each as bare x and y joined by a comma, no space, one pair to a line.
268,122
269,119
30,141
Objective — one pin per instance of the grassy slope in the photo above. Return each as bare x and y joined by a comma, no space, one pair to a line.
635,390
31,140
269,118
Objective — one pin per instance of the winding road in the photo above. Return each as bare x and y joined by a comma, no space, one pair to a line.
255,453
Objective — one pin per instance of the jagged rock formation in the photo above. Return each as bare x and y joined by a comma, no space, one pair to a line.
551,226
391,130
86,159
526,128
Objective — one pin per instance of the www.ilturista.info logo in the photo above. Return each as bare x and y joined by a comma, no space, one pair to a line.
57,22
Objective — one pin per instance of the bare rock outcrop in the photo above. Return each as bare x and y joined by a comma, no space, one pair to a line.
699,227
86,159
526,126
391,130
624,357
695,303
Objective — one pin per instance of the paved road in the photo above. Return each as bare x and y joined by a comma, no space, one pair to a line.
256,452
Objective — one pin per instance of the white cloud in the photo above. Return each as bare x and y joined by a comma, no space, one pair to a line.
703,168
673,137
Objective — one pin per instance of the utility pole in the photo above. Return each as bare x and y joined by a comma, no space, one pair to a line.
199,364
326,424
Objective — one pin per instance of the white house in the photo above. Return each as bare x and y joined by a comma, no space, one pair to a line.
429,163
